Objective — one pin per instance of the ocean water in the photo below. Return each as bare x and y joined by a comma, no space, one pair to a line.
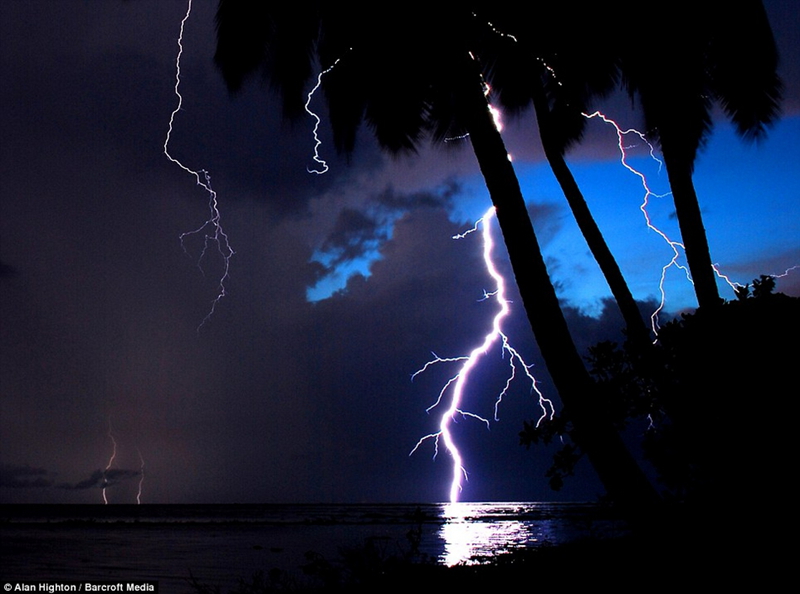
219,544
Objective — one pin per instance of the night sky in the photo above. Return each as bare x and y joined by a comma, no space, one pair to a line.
298,387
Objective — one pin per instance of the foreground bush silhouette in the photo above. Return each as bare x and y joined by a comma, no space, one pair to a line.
713,397
622,564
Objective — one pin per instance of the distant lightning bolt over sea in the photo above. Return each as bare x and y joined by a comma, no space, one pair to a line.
110,476
457,385
211,229
141,479
110,461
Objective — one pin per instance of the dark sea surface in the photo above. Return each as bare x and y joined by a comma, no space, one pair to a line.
218,544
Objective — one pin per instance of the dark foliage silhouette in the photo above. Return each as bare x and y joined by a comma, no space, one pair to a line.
710,405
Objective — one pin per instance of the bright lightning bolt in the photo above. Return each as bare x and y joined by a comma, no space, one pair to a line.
497,115
675,246
212,228
731,283
497,31
786,272
317,142
459,382
735,285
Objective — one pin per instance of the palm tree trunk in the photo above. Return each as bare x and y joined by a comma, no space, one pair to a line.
693,232
637,330
593,431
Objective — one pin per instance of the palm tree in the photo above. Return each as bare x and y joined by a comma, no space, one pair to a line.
635,325
697,54
410,79
564,77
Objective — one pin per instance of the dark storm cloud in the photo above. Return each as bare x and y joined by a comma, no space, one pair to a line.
79,93
23,477
102,478
354,233
442,197
7,271
94,480
358,231
547,219
773,264
588,330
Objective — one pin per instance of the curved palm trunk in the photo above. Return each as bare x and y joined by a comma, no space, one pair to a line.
693,232
637,330
593,432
